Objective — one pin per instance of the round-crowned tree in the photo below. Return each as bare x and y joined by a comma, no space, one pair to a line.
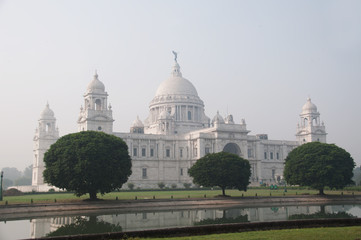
319,165
222,169
88,162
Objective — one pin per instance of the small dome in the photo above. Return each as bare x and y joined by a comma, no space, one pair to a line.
95,85
309,107
47,113
176,85
218,118
137,123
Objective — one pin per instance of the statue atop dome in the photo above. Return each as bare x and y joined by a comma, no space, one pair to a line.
175,55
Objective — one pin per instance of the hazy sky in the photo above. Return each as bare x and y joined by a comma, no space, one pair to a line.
257,60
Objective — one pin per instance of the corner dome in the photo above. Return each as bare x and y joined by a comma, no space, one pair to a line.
137,123
47,113
95,85
176,85
217,119
309,107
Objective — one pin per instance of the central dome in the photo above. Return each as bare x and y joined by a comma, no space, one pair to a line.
176,107
176,85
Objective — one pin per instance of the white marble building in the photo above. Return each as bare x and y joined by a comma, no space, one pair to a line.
177,133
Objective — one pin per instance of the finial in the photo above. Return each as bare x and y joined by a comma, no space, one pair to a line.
47,104
96,74
176,69
175,56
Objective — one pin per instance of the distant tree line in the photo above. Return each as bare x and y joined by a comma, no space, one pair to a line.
14,177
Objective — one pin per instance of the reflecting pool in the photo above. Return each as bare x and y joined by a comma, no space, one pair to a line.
144,220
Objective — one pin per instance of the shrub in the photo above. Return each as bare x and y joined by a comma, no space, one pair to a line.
174,185
161,185
131,186
13,192
187,185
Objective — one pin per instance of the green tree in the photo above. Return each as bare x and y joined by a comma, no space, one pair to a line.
318,165
88,162
225,170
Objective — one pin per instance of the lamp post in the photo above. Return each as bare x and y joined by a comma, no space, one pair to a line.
1,186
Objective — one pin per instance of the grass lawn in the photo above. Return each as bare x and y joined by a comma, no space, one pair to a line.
165,194
331,233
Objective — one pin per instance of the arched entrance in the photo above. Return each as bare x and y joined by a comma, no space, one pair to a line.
232,148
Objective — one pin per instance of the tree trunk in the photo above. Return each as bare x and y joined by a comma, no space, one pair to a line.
224,191
321,191
93,195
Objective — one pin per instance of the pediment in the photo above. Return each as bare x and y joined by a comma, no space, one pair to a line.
303,132
99,118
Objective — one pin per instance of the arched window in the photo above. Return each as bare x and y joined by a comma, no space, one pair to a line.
47,127
305,122
314,122
98,104
232,148
189,115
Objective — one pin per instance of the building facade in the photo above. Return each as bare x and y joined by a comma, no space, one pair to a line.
177,132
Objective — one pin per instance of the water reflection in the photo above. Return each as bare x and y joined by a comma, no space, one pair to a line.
85,225
228,217
322,214
133,221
